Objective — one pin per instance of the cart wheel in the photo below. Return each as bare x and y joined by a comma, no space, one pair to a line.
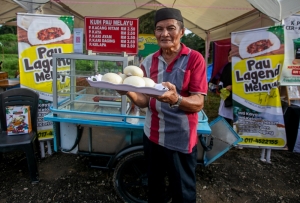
130,178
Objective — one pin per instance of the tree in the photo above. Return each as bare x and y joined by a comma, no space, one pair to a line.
146,23
8,30
194,42
9,43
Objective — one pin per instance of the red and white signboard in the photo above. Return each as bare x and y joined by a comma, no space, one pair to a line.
111,35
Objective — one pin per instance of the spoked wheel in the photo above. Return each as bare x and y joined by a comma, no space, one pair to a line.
130,178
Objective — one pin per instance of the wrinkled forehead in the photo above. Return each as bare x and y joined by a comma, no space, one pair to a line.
166,23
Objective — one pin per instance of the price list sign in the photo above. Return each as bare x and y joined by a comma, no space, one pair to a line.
111,35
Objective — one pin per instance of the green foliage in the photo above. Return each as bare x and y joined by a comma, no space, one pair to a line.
84,65
146,23
9,44
211,106
194,42
8,29
10,64
9,54
103,66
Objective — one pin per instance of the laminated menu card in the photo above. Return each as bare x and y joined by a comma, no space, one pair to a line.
18,120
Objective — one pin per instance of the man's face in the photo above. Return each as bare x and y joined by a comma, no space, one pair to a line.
168,33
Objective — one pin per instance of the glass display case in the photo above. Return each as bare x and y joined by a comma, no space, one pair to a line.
73,97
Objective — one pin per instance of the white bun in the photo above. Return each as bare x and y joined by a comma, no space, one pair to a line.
148,82
135,81
112,78
133,71
123,76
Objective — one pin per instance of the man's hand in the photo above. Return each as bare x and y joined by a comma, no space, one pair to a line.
229,88
170,96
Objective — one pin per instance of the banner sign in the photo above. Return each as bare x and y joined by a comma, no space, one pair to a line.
257,62
291,68
39,36
111,35
147,45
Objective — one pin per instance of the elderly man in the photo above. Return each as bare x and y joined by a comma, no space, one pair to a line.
170,130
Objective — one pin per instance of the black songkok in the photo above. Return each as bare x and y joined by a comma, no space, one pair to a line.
168,13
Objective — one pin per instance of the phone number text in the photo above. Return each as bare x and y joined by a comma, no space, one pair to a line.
260,141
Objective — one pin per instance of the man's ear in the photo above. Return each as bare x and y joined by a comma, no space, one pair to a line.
182,32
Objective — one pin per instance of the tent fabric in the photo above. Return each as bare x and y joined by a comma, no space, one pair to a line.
220,57
9,10
200,17
216,19
277,9
210,20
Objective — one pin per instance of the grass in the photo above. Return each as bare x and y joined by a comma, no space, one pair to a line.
211,106
8,44
10,64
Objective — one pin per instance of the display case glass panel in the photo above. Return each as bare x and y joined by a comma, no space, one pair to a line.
73,96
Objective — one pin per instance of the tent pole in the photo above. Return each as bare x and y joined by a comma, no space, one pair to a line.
207,41
206,51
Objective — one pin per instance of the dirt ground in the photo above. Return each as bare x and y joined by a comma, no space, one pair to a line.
238,176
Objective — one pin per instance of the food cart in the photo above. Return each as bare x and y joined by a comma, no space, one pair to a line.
98,122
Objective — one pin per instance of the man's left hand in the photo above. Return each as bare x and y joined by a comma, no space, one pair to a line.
170,96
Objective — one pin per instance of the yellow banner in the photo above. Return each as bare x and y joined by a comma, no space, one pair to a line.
39,37
36,67
147,45
256,66
45,134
